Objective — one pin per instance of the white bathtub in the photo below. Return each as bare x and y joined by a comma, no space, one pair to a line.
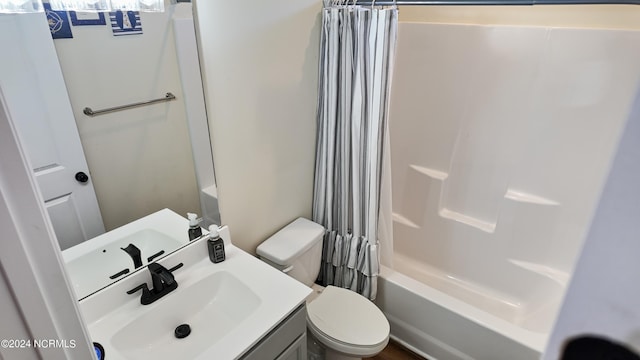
440,318
492,190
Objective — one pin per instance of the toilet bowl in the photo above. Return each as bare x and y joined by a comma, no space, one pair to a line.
346,324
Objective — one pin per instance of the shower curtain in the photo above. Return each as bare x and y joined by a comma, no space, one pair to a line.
356,59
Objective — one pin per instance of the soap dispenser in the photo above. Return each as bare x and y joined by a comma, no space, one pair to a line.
215,245
194,226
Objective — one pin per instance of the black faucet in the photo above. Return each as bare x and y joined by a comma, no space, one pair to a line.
134,252
163,283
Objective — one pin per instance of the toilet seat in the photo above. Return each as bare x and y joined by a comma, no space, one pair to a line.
347,322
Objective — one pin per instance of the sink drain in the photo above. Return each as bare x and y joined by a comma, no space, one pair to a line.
182,331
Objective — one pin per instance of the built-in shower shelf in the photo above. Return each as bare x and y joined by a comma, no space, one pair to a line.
404,221
523,197
561,277
485,226
432,173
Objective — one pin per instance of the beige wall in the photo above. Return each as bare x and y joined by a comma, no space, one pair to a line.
592,16
140,159
260,68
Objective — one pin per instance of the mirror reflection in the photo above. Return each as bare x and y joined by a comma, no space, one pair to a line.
99,175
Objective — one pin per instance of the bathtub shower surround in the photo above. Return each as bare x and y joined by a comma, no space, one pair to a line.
356,60
501,139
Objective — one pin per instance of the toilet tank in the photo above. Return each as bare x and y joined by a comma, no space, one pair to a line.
296,250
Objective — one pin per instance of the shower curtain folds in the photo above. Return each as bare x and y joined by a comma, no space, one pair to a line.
357,48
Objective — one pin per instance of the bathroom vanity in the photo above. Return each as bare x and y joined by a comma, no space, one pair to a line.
240,308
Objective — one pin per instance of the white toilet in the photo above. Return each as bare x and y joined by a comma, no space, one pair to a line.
348,325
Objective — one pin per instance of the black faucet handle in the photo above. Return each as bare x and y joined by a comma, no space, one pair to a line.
160,276
176,267
159,269
144,287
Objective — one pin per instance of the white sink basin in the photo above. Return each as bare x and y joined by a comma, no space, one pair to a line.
229,306
91,264
212,307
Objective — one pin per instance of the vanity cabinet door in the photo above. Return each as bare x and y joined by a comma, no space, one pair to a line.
286,341
297,350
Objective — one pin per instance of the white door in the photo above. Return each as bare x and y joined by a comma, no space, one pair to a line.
37,99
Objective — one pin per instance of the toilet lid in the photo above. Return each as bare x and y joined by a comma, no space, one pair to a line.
348,317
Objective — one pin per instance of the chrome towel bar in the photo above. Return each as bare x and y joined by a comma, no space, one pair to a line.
88,111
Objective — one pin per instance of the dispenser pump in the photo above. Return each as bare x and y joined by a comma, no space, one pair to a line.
193,219
194,226
213,232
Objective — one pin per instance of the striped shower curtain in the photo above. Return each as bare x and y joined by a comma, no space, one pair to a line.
356,60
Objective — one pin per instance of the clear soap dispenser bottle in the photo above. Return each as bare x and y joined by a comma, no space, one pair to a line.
194,226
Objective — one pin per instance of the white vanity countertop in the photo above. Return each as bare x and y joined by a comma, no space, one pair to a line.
269,295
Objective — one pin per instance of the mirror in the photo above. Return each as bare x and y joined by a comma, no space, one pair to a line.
139,160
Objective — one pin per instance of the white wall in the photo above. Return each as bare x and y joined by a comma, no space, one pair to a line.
603,296
260,66
140,159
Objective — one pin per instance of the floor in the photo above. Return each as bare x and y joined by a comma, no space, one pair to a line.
395,351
